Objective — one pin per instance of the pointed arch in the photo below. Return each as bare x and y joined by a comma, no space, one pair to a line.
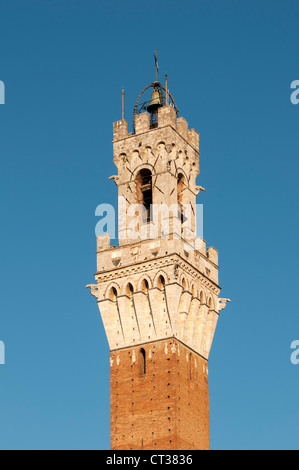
211,303
160,279
180,173
202,297
144,284
112,292
184,282
129,290
193,290
142,166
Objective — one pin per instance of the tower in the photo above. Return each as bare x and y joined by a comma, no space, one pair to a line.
158,290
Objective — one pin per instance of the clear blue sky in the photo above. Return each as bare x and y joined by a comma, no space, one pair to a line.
230,65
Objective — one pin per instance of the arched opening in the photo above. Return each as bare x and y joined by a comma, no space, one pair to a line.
144,191
161,282
113,294
144,286
142,361
129,290
193,291
181,186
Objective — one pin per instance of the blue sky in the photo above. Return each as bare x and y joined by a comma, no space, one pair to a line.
230,66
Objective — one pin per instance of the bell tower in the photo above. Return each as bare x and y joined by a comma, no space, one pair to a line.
158,291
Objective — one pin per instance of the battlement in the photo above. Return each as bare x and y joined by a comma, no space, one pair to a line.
120,130
166,117
202,259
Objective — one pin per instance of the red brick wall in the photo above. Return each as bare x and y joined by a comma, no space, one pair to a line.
165,408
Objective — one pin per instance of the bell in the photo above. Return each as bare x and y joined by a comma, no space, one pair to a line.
155,102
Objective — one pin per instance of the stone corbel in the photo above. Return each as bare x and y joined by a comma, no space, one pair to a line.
115,178
222,304
94,290
198,189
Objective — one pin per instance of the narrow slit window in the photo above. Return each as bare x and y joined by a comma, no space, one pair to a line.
142,361
180,188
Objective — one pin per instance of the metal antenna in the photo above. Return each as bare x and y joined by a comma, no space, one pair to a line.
156,63
123,104
166,90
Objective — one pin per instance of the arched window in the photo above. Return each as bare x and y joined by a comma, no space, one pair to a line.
180,188
161,282
142,361
144,191
144,286
129,290
113,294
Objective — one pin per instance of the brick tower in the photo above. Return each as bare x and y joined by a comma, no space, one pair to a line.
158,290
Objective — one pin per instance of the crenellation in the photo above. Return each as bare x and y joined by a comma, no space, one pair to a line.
120,130
142,123
103,242
212,255
166,116
182,127
150,249
193,138
200,246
